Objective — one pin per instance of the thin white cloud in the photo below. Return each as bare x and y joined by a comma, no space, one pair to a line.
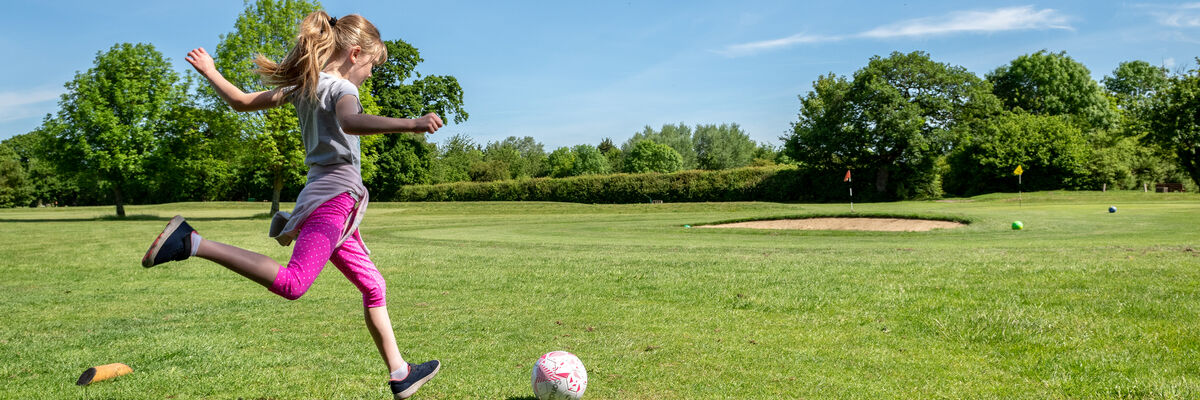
756,47
1182,16
975,22
999,20
16,105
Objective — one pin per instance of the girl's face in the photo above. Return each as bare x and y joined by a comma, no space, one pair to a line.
361,66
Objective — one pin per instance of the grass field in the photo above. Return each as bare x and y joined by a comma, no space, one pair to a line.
1080,304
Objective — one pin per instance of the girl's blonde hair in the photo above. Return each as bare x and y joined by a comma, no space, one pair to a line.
320,37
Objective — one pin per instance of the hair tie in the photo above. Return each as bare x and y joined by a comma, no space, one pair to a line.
332,21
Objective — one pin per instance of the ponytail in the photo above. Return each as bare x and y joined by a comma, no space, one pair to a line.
320,37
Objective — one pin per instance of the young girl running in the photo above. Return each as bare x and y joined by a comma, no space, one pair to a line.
320,77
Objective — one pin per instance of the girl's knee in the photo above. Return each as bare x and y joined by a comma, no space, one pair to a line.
375,295
291,293
289,285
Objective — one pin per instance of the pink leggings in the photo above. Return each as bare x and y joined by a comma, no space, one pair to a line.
317,243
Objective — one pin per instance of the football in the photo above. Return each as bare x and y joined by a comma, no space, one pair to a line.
559,375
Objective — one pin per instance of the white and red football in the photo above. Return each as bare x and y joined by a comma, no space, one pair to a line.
559,375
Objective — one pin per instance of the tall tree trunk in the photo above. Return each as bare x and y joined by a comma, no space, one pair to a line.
881,178
275,192
120,200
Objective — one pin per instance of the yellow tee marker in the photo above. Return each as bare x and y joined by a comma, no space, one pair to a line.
103,372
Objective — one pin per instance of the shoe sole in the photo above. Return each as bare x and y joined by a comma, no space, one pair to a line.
417,385
152,253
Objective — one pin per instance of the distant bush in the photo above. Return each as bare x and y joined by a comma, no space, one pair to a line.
772,183
487,171
589,161
649,156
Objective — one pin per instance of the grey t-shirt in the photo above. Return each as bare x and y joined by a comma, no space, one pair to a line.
324,141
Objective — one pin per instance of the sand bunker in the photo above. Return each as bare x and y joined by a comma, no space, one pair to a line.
844,224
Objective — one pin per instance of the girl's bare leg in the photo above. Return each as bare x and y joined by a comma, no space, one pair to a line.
380,326
256,267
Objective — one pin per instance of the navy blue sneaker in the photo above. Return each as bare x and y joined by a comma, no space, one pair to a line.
173,244
417,376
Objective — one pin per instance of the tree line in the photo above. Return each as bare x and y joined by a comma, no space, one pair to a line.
674,147
917,128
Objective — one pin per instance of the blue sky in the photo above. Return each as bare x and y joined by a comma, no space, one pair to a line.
571,72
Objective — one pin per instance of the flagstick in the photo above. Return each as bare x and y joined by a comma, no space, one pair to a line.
852,199
1018,172
850,180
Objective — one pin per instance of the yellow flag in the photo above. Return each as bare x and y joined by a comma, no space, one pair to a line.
1018,171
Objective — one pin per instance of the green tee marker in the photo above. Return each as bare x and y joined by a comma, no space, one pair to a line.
1017,225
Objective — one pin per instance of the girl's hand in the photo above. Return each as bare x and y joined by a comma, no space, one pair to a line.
429,123
201,61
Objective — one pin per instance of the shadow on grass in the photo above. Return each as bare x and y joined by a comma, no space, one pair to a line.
138,217
522,398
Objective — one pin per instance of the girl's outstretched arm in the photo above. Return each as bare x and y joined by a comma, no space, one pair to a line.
356,123
239,100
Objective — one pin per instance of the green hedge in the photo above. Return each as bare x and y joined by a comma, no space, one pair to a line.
775,183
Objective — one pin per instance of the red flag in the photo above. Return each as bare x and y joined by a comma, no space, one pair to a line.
847,176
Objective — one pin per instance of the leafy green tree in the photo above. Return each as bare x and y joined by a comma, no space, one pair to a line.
488,171
266,27
505,156
408,158
25,146
1174,121
46,185
766,154
454,159
1133,86
1119,161
1050,149
1045,83
24,151
1135,82
524,157
401,96
588,161
1122,162
616,159
605,145
561,162
1110,164
395,160
532,161
505,153
14,187
679,137
723,146
612,153
825,136
195,157
110,117
399,159
648,156
895,119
